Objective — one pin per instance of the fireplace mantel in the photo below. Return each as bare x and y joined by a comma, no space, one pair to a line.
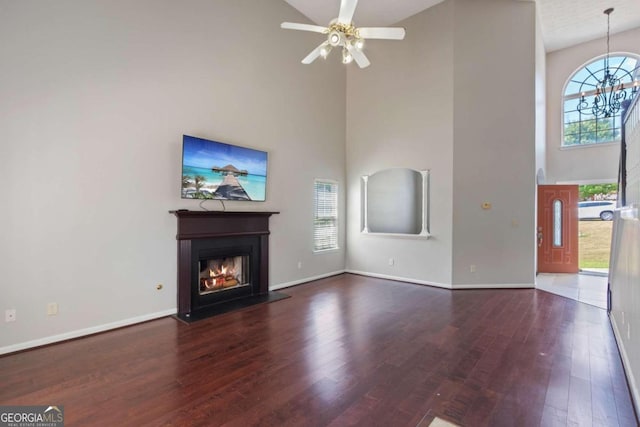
196,228
204,224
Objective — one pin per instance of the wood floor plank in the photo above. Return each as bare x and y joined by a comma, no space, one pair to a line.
346,350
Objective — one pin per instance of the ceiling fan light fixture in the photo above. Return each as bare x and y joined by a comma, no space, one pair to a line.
342,32
325,50
347,58
335,38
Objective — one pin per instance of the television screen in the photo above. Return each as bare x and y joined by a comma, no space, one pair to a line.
215,170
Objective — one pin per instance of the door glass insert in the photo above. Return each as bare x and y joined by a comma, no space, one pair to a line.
557,223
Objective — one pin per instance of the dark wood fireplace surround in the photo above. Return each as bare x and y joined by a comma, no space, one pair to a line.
214,232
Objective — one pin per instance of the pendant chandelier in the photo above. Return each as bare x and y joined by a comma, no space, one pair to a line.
610,91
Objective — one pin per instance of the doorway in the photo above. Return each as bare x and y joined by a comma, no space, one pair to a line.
566,240
595,213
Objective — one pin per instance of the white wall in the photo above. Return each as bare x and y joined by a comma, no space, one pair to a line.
541,114
541,100
431,103
598,163
624,278
494,143
624,273
95,98
400,114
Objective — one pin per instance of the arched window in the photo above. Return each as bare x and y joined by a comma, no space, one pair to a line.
581,126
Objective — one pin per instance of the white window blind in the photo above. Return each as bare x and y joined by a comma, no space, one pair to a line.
325,222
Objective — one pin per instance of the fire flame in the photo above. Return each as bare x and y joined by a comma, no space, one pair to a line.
221,272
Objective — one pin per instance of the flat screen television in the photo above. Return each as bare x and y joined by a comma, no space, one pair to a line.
218,171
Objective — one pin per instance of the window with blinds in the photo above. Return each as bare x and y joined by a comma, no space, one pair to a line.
325,221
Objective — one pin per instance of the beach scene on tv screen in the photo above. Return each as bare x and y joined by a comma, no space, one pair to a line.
219,171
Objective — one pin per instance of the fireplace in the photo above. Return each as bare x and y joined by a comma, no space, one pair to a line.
223,273
223,261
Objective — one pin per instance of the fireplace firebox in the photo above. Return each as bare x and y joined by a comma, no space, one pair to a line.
223,273
223,261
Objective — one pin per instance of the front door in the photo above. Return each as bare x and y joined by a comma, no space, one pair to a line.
557,229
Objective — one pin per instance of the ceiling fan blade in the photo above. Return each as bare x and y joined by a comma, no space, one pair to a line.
360,58
382,33
303,27
314,54
347,9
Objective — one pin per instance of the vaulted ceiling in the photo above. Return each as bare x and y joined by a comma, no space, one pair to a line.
564,22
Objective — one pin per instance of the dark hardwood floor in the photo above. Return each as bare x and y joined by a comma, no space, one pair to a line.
347,350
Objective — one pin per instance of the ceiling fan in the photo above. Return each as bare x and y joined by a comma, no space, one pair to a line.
342,32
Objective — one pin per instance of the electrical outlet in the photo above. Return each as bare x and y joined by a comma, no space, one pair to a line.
472,268
52,309
391,261
10,315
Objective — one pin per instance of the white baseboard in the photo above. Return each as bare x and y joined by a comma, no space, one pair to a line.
305,280
399,279
84,332
444,285
131,321
496,286
633,385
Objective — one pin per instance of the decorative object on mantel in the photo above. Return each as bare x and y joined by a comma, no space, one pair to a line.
608,92
223,262
395,202
342,33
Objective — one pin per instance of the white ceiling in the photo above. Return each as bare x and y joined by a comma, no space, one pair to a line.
564,22
569,22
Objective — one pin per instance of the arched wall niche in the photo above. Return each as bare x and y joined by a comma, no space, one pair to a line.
396,202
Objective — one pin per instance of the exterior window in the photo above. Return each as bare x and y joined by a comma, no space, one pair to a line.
325,221
581,127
